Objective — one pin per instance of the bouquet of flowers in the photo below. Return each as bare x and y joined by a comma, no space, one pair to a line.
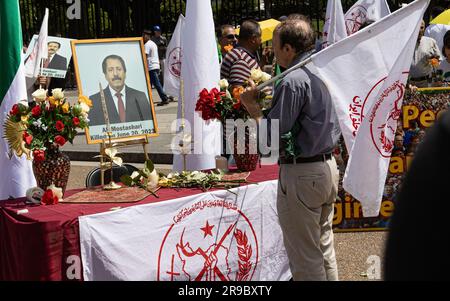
48,122
226,104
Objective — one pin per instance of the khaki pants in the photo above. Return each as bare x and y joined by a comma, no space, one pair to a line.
305,202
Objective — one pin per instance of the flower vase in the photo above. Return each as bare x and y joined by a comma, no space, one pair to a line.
245,151
54,169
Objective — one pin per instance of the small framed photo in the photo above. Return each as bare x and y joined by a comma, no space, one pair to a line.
118,69
57,62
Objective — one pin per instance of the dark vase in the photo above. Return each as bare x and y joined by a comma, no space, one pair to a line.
54,169
246,159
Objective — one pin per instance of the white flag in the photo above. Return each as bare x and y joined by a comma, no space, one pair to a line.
40,50
334,28
172,70
364,10
366,74
199,70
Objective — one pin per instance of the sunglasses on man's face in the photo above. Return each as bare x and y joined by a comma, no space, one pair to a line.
232,36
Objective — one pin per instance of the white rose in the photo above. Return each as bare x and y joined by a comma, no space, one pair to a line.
223,84
256,75
84,115
84,108
265,77
153,180
135,174
39,95
58,93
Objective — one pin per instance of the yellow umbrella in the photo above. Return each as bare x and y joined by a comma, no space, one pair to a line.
267,28
443,18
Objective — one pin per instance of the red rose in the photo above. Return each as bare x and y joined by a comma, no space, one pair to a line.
59,126
76,121
38,155
14,110
48,198
27,137
204,94
215,94
60,140
36,111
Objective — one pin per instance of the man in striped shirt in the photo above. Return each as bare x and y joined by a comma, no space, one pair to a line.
238,63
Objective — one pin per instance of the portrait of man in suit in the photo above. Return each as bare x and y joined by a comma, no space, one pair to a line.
123,103
54,60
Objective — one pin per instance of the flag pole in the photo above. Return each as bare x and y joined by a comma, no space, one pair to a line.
40,72
283,74
183,123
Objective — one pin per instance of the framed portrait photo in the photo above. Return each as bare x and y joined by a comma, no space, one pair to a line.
57,62
119,67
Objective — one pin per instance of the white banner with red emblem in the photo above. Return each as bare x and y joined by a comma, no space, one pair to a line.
172,70
366,75
363,11
214,236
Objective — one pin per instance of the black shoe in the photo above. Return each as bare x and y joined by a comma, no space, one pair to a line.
163,103
171,99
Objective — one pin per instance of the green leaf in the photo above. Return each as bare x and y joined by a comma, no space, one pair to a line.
144,172
127,180
149,164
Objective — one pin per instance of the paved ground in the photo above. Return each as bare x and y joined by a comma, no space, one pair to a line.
352,249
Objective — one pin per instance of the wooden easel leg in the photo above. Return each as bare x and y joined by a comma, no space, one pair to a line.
102,171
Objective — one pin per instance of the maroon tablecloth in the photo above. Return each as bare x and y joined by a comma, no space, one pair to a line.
36,245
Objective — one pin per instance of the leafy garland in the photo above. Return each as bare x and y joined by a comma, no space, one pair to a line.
148,179
205,181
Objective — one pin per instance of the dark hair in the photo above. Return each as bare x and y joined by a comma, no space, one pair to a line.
113,57
298,33
147,31
436,11
446,42
54,42
221,29
249,29
295,16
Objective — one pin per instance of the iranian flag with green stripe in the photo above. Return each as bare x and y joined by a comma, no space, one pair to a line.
17,173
